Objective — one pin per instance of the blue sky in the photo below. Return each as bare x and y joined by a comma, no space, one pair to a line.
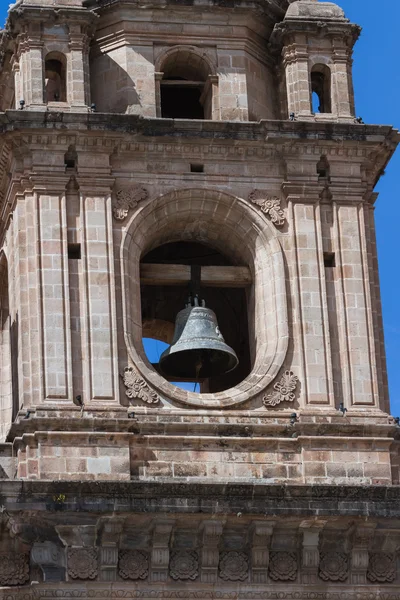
377,90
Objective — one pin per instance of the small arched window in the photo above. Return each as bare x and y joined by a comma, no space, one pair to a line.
321,89
184,88
55,78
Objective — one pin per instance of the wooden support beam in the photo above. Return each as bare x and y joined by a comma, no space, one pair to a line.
181,83
233,277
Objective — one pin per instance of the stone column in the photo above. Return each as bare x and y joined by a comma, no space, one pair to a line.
41,292
341,87
32,67
100,377
360,386
53,260
311,298
295,61
78,90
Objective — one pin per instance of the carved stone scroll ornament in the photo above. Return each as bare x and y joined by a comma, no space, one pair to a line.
283,566
233,566
381,568
136,387
82,563
334,566
133,564
14,569
184,564
127,199
284,390
270,205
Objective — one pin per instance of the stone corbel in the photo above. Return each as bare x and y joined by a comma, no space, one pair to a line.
261,533
211,534
51,560
110,534
362,539
310,552
160,551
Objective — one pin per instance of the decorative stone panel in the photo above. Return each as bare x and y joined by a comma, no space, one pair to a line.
184,564
136,387
127,199
334,566
14,569
381,568
283,566
233,566
270,205
133,564
284,390
82,563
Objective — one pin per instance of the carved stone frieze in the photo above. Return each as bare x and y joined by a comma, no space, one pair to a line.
270,205
130,593
334,566
184,564
136,387
381,567
82,563
283,566
284,390
133,564
127,199
14,569
233,566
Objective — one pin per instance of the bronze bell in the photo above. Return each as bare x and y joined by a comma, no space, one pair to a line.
198,349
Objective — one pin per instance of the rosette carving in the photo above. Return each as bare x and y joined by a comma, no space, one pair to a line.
184,564
136,387
333,566
127,199
133,564
270,205
381,567
233,566
82,563
283,566
283,390
14,569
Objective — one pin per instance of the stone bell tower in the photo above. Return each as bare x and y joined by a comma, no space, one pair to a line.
154,151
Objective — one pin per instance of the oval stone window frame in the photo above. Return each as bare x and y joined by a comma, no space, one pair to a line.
241,232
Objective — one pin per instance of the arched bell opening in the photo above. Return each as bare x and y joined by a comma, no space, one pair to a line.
321,100
243,236
55,78
166,284
185,91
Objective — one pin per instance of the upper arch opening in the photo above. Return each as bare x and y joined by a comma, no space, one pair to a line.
185,92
